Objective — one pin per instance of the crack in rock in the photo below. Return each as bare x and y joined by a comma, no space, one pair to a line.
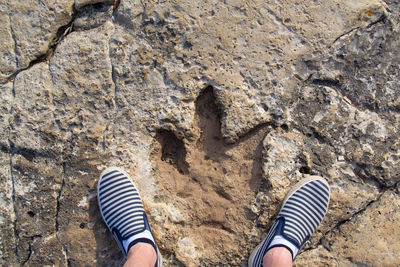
61,33
57,224
30,250
14,198
15,42
344,35
359,212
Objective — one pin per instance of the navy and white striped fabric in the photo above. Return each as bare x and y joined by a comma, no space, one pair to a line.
122,210
120,203
304,210
301,213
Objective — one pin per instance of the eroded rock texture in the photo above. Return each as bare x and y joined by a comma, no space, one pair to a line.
215,108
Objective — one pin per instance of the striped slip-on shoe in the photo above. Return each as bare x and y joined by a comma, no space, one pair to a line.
122,210
302,211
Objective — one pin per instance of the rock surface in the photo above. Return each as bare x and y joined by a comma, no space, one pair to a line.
215,109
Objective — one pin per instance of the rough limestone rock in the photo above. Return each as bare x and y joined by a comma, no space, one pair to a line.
381,223
215,109
31,29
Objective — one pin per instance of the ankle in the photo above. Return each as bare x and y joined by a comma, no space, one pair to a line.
141,254
278,256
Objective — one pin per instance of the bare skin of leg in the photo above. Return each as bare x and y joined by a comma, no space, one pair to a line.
141,255
278,256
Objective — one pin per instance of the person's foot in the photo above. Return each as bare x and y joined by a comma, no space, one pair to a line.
122,210
302,211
